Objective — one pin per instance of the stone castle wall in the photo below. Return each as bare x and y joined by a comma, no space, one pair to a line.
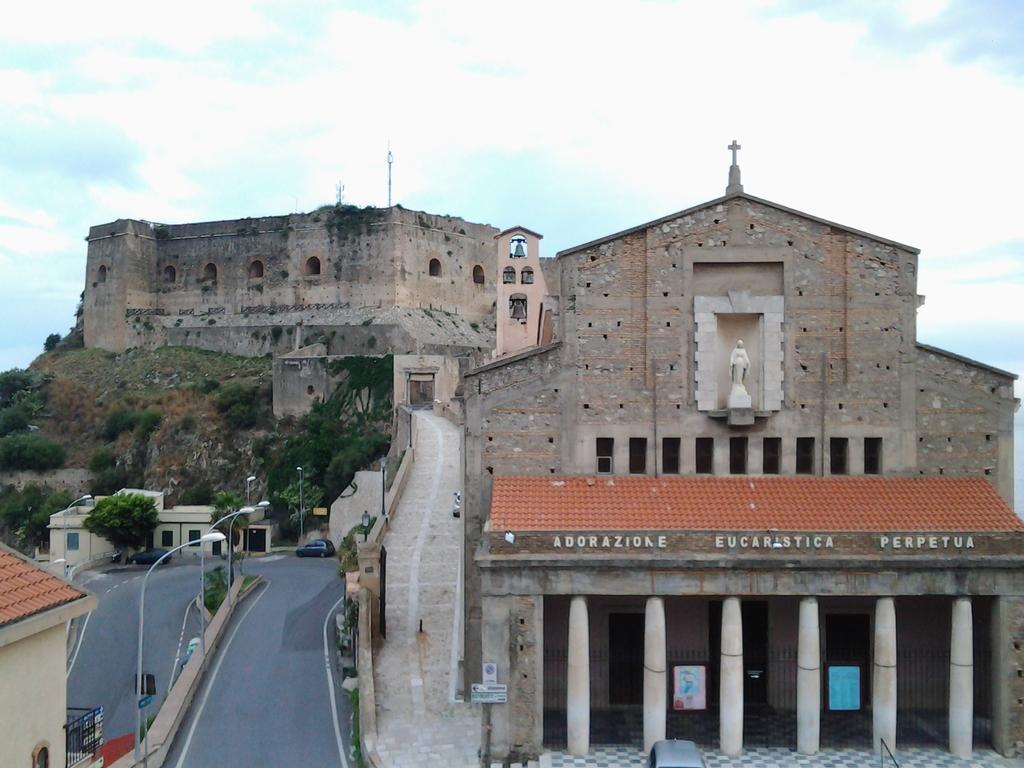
147,282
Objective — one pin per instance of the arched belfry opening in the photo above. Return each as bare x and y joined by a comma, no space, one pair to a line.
312,266
517,247
517,306
434,268
256,270
210,272
508,276
526,276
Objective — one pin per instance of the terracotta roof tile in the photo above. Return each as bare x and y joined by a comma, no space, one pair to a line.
26,589
749,503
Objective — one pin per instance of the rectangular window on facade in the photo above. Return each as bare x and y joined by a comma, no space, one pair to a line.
637,455
166,538
193,535
605,451
705,455
670,447
771,456
72,541
805,455
737,455
872,455
837,455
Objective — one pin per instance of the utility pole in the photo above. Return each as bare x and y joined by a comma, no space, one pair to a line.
391,159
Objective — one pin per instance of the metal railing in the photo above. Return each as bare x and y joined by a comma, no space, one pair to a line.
83,734
886,751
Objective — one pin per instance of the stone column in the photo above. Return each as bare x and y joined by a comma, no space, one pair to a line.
808,679
883,689
655,683
961,680
730,694
578,688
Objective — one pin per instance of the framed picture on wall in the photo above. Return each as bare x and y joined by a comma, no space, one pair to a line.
689,687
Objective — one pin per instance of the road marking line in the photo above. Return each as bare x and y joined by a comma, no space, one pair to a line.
213,677
78,646
330,685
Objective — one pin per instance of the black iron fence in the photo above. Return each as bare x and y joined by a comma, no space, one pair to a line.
83,734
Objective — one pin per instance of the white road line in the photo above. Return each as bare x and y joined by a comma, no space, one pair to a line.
222,654
78,646
330,684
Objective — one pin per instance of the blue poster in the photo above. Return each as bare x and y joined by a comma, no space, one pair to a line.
844,688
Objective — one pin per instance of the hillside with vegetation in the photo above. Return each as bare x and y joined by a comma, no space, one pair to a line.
188,422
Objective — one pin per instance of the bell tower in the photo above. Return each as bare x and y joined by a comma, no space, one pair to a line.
521,290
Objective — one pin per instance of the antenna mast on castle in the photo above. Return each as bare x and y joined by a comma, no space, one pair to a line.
339,192
391,159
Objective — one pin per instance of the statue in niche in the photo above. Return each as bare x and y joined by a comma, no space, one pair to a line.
739,364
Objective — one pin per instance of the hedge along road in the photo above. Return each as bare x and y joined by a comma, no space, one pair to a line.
267,698
101,666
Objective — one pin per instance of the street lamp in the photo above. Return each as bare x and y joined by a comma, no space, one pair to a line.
301,531
248,487
231,517
205,538
383,486
64,520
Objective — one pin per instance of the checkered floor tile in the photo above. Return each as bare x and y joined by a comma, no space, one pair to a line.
630,757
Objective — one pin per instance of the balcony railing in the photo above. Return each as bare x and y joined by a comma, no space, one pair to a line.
83,734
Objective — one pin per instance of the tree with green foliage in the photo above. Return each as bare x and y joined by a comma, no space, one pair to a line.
25,514
18,380
123,520
312,496
30,451
51,342
243,406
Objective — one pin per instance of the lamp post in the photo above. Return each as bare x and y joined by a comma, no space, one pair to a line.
248,487
231,518
301,531
207,537
64,520
383,486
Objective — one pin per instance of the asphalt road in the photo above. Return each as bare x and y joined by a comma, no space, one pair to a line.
103,660
267,699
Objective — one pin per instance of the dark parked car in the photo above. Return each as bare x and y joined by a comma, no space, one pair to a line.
675,753
149,556
316,548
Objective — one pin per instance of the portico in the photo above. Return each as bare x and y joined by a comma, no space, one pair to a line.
840,641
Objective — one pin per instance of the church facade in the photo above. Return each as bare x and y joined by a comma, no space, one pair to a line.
728,496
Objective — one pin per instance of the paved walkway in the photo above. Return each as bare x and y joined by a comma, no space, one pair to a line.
630,757
418,723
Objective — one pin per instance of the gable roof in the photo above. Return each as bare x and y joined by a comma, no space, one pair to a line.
726,198
26,589
965,360
757,503
519,228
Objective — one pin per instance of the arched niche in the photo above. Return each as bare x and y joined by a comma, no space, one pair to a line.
170,274
101,274
478,274
256,270
210,271
312,266
434,268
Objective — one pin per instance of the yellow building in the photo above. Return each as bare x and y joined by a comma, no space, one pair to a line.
35,607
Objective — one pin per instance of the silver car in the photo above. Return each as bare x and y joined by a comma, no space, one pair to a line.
675,753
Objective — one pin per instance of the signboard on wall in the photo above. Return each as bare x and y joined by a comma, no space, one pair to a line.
320,511
689,687
843,688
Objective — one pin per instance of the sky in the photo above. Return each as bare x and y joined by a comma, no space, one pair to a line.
576,119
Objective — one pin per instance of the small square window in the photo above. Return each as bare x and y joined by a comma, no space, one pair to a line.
72,541
194,534
166,538
605,452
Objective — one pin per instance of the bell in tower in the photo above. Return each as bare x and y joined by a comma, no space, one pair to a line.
518,248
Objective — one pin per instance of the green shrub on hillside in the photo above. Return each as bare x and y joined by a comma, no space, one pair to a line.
146,422
13,419
18,381
25,514
197,493
111,480
241,405
118,422
102,459
30,451
51,342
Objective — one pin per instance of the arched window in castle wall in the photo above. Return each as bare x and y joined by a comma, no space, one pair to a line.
517,307
478,275
526,276
256,270
517,247
170,274
508,277
435,268
312,266
210,271
101,274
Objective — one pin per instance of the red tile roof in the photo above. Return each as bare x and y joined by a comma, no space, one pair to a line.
749,503
26,589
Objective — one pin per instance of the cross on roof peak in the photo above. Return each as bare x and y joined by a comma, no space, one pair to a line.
735,186
734,147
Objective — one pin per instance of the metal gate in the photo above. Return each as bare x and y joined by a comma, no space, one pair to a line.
383,591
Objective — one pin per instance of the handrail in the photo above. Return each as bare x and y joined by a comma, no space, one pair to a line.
881,756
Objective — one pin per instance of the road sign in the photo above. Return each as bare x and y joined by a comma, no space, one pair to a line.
145,701
489,693
490,672
320,511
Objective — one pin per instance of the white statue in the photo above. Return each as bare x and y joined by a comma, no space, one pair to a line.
739,363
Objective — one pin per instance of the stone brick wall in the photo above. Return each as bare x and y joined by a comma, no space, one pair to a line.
159,278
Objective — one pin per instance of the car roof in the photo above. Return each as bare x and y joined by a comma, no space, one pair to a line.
676,751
